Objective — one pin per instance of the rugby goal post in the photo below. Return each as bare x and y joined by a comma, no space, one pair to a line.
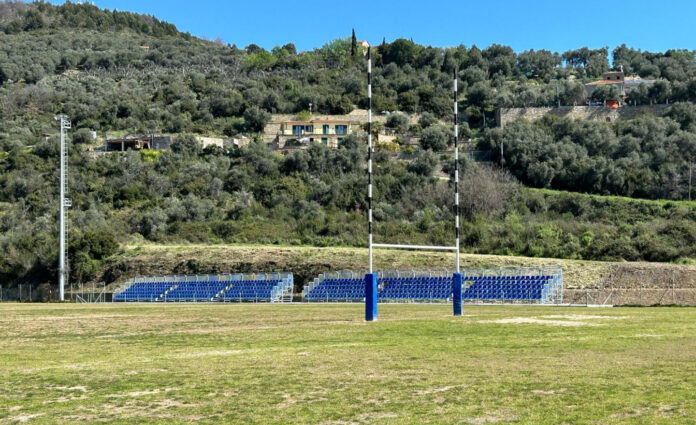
371,276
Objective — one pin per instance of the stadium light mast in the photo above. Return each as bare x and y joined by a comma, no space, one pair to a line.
64,203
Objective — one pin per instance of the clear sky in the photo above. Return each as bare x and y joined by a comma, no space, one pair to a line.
523,24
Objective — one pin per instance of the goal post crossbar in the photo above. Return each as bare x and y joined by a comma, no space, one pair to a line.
421,247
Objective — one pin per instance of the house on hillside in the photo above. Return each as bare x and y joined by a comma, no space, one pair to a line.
327,132
617,78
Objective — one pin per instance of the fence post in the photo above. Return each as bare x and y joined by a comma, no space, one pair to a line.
371,297
457,294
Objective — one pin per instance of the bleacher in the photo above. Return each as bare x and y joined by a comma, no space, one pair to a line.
197,291
517,285
249,290
415,288
507,287
272,287
144,291
347,289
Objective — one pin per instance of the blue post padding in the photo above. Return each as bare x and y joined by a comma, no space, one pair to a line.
457,294
371,297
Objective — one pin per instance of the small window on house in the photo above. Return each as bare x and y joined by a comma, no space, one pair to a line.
309,128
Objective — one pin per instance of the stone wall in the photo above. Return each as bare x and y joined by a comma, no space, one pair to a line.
589,113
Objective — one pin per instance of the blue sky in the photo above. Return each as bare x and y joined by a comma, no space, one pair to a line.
540,24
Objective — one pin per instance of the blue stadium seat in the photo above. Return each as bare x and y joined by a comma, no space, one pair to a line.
482,288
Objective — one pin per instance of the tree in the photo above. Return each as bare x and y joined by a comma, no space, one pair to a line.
290,48
424,164
684,114
253,49
33,20
660,91
400,52
572,93
335,51
427,119
537,63
255,119
598,64
82,136
398,122
502,59
435,138
606,93
186,145
353,44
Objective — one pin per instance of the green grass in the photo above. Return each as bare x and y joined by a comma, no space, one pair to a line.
625,199
322,364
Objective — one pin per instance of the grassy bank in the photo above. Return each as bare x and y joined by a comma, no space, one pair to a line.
308,262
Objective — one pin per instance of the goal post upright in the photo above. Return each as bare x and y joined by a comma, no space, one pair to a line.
457,278
370,277
369,153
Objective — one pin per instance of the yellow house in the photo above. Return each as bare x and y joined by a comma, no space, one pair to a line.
328,132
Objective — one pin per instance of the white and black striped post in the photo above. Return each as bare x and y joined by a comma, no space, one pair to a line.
369,154
457,278
371,277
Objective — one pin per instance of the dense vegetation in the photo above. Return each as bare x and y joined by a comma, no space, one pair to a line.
647,157
317,197
133,73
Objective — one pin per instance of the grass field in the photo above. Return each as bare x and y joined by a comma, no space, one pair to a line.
322,364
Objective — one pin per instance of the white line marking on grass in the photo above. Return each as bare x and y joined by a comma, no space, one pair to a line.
536,321
582,317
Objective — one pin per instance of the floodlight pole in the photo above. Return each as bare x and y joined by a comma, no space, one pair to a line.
64,125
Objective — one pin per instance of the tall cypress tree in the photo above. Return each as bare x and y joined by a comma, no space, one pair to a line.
353,44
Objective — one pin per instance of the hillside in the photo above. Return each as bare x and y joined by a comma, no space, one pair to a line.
126,73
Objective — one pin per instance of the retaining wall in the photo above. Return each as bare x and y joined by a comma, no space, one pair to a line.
588,113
